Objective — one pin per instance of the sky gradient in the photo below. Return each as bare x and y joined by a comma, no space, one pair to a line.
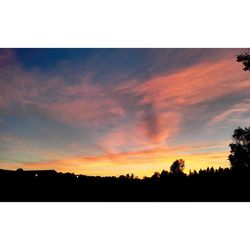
117,111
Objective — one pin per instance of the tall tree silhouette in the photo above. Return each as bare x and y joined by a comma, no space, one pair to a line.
177,167
240,149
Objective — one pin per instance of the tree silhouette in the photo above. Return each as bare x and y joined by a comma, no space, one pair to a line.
240,149
177,167
156,175
245,60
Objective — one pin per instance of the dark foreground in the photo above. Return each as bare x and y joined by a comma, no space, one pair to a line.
222,185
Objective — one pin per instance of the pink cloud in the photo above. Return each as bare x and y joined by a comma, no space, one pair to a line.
88,104
139,115
234,113
85,111
168,96
193,85
82,104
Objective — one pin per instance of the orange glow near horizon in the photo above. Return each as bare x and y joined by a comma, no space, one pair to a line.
141,164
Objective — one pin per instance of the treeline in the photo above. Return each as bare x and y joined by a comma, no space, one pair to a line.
222,184
204,185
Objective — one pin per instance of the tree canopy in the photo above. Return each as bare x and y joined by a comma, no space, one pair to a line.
177,167
240,149
245,60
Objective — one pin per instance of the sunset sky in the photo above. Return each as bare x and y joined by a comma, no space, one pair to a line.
117,111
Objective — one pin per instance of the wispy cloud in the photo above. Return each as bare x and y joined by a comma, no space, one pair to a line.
128,115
